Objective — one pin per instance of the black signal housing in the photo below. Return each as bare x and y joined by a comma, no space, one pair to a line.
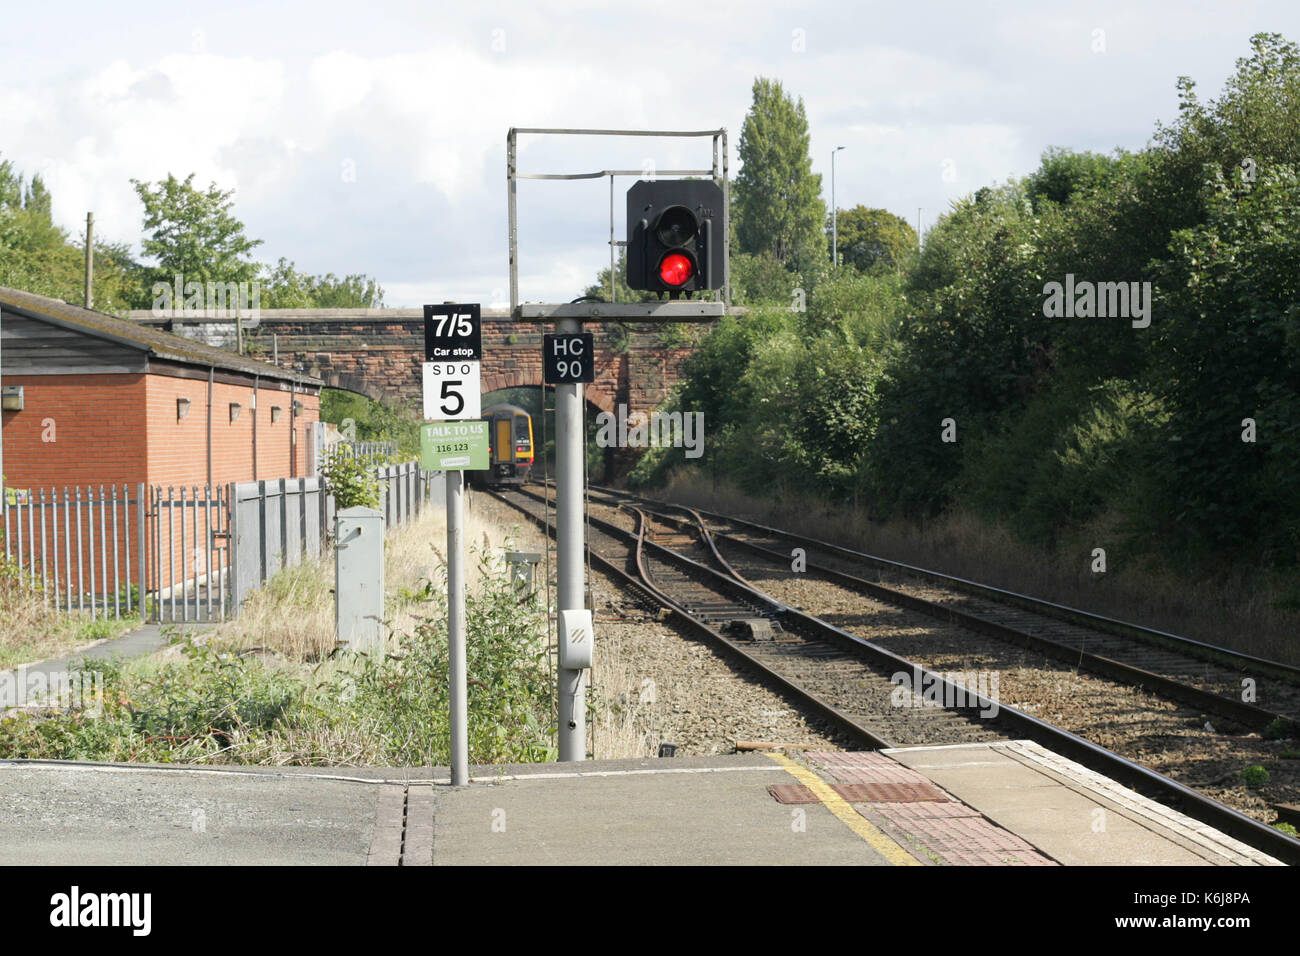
668,221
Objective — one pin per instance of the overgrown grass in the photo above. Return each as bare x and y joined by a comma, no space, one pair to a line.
32,630
271,688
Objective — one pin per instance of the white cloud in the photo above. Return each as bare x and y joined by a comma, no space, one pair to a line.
420,100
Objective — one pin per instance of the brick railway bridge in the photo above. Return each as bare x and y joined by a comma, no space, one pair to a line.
377,352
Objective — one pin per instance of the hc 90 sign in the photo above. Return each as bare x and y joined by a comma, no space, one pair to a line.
568,357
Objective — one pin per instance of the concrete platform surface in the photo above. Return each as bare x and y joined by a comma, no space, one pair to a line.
1073,814
997,804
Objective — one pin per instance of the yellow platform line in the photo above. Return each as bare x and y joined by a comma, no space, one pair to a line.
891,851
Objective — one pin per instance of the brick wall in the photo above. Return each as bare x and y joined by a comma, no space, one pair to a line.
177,448
76,430
122,429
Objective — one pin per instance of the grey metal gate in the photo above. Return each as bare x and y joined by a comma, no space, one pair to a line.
274,525
189,538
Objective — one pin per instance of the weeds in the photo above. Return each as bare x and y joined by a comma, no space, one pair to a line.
32,629
207,703
1255,776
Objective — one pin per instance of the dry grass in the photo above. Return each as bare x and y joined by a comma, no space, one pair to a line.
1236,609
621,724
293,614
625,721
32,630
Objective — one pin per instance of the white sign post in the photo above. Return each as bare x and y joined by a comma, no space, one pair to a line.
452,392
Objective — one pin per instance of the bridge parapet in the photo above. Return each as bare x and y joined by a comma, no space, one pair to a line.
377,352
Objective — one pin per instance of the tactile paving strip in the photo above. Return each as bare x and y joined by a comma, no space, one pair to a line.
960,836
913,806
863,793
849,767
792,793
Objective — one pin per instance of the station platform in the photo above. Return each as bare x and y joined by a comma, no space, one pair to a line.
1010,803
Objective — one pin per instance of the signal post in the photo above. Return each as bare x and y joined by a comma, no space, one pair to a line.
677,246
568,362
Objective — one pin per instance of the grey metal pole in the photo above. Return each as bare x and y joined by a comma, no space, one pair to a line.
571,590
512,219
90,260
456,627
613,297
726,223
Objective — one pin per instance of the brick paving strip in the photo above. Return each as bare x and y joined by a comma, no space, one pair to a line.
910,808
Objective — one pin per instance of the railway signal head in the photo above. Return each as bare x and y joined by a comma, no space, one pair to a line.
674,242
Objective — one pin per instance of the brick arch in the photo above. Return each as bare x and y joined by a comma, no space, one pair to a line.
597,394
357,384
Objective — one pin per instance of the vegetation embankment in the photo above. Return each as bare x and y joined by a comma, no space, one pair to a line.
1088,381
270,687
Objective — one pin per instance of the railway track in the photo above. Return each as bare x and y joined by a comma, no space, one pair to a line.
872,693
1210,678
823,659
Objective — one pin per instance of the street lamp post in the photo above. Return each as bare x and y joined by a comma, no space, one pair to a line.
835,236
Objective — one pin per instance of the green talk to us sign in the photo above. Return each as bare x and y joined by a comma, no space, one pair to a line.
454,446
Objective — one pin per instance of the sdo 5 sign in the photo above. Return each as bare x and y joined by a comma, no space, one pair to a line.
451,391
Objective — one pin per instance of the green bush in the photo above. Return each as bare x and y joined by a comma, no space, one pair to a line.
215,706
406,699
372,421
1068,457
351,479
1255,776
181,711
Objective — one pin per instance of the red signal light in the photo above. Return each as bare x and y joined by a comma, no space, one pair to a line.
676,269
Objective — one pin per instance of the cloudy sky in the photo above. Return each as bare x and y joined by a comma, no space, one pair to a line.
370,137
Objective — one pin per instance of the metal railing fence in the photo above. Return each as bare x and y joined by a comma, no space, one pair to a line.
181,553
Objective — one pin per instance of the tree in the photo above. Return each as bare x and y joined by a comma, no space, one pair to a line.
1064,174
778,206
284,287
762,280
873,239
624,294
193,234
37,256
1226,362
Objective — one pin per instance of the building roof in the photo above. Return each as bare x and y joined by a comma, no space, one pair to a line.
154,342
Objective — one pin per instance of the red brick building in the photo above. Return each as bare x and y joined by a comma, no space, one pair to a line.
93,399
